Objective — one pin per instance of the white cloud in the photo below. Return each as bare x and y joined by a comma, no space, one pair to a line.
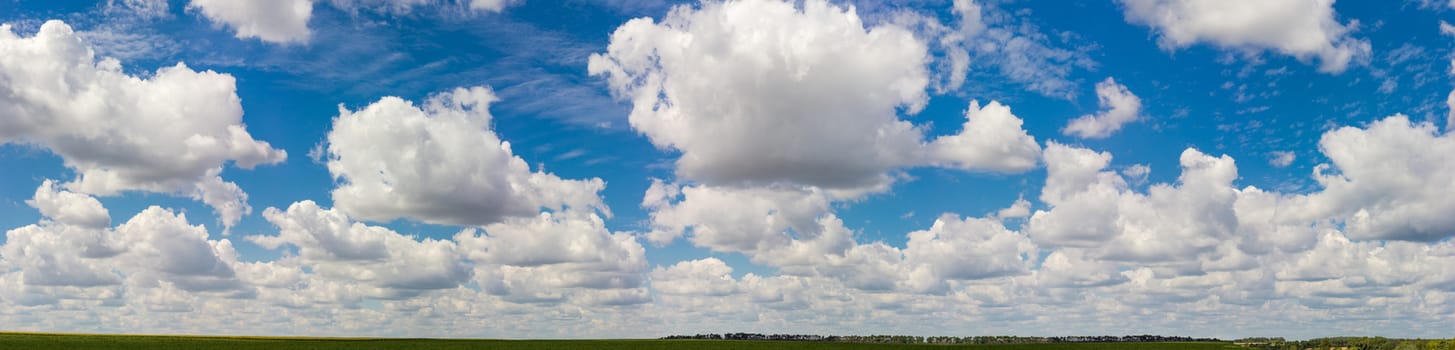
779,226
558,257
489,5
972,248
985,38
286,21
1019,209
1271,221
68,247
275,21
400,7
1450,103
991,139
172,132
73,254
553,239
166,248
755,92
1391,181
1118,107
1281,158
1092,208
1067,268
440,163
69,208
793,230
1081,192
705,277
1137,173
335,247
1303,28
146,9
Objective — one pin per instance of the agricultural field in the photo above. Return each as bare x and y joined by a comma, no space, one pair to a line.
121,342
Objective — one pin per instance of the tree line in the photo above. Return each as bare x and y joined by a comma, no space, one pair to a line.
910,339
1350,343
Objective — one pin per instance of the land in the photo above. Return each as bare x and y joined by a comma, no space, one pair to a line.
45,341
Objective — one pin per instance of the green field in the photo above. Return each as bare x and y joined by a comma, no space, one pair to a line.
68,341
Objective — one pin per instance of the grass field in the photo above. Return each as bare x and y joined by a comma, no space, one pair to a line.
101,342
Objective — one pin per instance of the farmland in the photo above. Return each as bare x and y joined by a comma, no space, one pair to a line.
120,342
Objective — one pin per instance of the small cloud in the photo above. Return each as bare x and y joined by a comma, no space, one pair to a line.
317,153
1118,106
1281,158
575,153
1137,173
1018,210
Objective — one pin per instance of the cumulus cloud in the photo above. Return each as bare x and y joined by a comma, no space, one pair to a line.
1077,184
68,247
969,249
335,247
757,92
1303,29
552,257
761,167
795,231
1118,107
74,254
1093,208
275,21
171,132
991,139
440,163
781,226
1388,180
703,277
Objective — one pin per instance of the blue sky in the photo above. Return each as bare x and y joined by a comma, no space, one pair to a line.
763,166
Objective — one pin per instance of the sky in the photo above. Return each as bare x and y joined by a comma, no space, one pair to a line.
624,169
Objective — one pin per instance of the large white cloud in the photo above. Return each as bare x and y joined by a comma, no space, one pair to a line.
764,92
991,139
73,254
704,277
170,132
795,231
1082,194
440,163
555,257
278,21
333,246
1093,208
970,248
1118,107
69,247
1300,28
1389,180
781,226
